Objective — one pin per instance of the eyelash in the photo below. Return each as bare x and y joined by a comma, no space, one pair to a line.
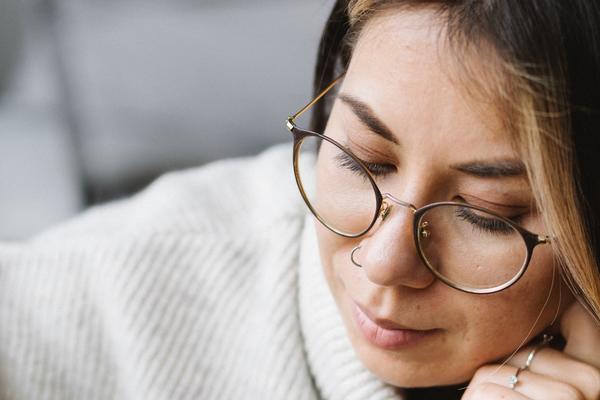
345,161
484,224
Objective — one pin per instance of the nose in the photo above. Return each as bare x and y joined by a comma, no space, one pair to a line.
389,256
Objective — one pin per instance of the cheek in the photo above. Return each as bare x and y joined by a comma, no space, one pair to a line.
497,324
335,258
343,196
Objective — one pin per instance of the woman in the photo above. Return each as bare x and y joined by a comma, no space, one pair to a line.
472,103
453,255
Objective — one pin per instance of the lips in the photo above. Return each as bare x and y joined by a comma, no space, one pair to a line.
387,334
382,322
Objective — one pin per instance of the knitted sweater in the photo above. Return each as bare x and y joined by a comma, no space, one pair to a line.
206,285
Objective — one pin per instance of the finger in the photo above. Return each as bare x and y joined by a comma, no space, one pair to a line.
582,335
529,384
491,391
561,367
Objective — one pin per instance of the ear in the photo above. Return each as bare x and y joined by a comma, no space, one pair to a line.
582,335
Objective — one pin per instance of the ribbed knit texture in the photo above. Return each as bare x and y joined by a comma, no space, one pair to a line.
188,290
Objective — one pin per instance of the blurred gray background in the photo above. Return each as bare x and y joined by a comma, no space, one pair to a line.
99,97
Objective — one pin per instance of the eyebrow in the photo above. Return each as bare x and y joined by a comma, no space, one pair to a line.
482,169
493,169
366,115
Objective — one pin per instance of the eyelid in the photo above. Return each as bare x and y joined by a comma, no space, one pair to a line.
352,143
485,223
478,201
376,169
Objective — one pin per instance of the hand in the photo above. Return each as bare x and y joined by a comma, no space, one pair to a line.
573,373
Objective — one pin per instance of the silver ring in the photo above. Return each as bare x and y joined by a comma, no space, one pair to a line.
530,357
546,339
514,379
352,257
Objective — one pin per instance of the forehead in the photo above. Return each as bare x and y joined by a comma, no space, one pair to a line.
404,69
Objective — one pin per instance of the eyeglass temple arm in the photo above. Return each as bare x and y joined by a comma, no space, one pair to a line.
291,119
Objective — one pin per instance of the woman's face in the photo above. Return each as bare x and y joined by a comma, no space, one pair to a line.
401,80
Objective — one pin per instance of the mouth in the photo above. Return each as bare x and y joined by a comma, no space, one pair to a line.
387,334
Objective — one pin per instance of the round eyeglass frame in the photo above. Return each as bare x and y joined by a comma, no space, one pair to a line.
531,240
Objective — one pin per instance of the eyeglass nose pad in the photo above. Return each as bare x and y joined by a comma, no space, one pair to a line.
424,229
385,210
386,205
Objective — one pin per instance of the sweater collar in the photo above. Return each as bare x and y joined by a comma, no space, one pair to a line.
337,371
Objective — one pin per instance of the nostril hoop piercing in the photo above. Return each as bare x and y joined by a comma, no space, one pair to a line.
352,257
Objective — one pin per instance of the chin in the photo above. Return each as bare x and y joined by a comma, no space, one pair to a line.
399,371
416,377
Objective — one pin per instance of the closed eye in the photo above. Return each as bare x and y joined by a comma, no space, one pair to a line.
376,169
484,223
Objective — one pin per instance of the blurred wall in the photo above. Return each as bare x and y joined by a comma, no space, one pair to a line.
101,96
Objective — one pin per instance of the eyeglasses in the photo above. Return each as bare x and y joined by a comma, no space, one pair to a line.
469,248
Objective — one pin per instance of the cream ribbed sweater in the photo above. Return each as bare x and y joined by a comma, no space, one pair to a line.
207,285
